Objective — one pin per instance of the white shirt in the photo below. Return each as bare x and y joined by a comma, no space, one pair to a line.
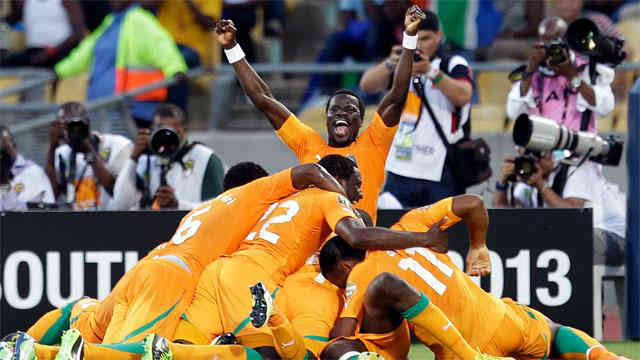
187,182
29,184
114,151
46,22
417,151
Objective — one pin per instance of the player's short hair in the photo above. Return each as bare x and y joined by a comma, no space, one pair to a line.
347,92
366,218
172,111
242,173
338,166
337,249
430,22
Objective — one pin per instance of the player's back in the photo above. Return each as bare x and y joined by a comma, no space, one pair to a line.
292,229
216,227
476,313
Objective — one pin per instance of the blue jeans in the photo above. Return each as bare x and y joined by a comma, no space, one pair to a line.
417,192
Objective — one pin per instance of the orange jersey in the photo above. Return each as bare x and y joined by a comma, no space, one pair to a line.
217,227
369,151
312,304
292,229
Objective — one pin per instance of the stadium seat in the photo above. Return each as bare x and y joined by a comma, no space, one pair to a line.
7,82
72,89
487,118
493,87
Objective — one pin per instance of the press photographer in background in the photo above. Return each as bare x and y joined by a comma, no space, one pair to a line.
82,165
567,79
23,184
542,176
165,171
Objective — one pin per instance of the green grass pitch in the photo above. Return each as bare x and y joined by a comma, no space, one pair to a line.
629,349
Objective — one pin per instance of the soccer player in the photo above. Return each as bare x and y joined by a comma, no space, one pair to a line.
152,296
416,285
289,232
345,113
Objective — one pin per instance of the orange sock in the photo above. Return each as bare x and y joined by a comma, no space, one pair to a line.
431,319
208,352
288,342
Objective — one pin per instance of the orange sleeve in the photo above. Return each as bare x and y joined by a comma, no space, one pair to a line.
274,187
298,136
380,134
421,219
357,284
335,207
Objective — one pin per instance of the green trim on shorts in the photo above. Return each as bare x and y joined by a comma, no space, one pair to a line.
532,315
148,326
252,354
133,348
54,333
416,309
318,338
246,321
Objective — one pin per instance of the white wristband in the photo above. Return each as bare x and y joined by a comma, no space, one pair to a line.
409,42
234,54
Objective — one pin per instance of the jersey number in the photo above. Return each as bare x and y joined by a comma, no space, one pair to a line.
410,264
292,207
189,227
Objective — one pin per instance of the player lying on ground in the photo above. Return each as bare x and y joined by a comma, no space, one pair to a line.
154,293
391,288
344,111
289,232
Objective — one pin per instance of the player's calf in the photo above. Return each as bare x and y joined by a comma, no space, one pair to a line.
570,343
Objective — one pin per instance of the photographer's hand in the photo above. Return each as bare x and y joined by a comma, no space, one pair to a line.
165,198
141,143
565,68
508,169
536,56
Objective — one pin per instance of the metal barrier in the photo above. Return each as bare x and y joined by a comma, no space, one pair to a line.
32,86
633,218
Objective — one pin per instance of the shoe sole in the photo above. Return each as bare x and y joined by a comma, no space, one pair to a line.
259,309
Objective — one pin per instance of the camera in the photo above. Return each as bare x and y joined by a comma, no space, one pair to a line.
555,52
584,37
164,142
525,165
77,129
539,134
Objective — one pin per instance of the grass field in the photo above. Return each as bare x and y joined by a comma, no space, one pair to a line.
628,349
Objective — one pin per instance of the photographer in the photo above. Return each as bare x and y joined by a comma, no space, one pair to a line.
83,165
553,185
165,171
560,85
21,181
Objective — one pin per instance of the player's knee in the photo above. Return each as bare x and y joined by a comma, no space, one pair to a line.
340,347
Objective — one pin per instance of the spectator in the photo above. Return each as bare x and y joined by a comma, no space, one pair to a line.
129,50
21,180
190,22
571,187
417,170
519,29
566,92
178,179
83,171
52,29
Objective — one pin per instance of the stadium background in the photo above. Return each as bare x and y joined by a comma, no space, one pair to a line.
223,118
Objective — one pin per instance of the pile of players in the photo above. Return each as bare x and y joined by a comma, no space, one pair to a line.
251,274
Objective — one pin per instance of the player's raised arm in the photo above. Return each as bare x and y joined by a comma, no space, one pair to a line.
358,236
304,176
253,85
472,210
391,106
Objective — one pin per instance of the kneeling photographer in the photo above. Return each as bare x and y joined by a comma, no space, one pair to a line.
165,171
560,168
567,78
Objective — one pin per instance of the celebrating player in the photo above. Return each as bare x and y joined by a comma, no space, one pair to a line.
155,292
289,232
345,113
427,289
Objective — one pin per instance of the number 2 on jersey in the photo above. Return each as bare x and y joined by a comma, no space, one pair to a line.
292,207
411,264
189,227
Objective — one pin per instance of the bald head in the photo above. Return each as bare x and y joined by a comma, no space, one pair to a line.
551,28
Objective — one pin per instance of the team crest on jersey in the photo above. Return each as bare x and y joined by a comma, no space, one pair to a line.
350,289
188,167
105,153
18,188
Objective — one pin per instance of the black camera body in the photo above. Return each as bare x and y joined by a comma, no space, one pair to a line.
164,142
525,166
77,130
555,51
583,36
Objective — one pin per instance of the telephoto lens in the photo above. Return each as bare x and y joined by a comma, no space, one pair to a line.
165,142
